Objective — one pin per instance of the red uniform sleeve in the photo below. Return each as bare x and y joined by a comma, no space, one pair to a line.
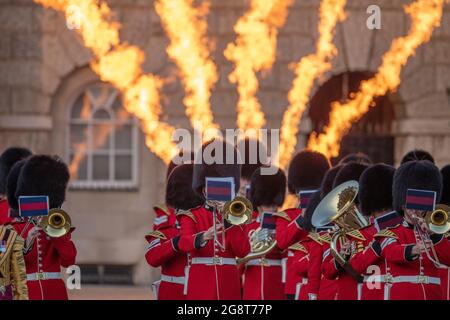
393,251
237,241
362,260
442,248
315,268
66,249
330,268
190,238
288,233
300,265
159,252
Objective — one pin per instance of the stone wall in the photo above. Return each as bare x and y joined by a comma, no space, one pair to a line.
40,58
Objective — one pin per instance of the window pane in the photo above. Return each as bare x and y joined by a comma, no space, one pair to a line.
82,108
78,134
100,170
101,93
123,169
78,166
101,136
101,114
123,137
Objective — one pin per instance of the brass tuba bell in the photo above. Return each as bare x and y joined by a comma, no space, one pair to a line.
56,224
438,221
238,211
339,207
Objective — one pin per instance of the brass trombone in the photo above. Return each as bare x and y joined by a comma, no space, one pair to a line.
236,212
437,221
56,224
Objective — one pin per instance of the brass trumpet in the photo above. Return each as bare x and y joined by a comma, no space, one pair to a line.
56,224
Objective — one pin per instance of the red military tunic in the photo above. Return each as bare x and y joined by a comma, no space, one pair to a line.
327,287
213,274
263,277
288,232
44,260
347,287
372,289
409,277
4,212
299,267
163,252
445,281
313,264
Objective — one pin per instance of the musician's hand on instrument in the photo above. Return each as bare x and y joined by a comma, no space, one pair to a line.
209,234
32,234
346,249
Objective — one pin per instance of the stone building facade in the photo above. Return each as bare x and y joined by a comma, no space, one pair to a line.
44,69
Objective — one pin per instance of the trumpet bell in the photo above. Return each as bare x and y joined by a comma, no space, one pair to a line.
339,207
438,221
56,224
238,211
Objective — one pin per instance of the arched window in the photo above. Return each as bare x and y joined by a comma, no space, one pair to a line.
102,140
372,134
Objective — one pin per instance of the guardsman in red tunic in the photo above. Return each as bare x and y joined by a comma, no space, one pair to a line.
7,160
375,197
318,252
347,285
306,171
445,199
163,250
213,272
45,255
263,276
307,264
410,273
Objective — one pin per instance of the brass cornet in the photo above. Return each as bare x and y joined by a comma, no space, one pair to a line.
56,224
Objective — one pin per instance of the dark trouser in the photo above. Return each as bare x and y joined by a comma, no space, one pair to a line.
6,293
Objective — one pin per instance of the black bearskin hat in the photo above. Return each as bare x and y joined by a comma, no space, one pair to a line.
44,175
375,188
254,155
356,157
179,193
305,220
417,154
306,171
11,184
226,162
8,158
184,158
422,175
350,171
328,180
445,199
268,190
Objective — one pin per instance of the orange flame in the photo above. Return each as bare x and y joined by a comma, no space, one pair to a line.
307,70
186,28
426,15
120,64
255,51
